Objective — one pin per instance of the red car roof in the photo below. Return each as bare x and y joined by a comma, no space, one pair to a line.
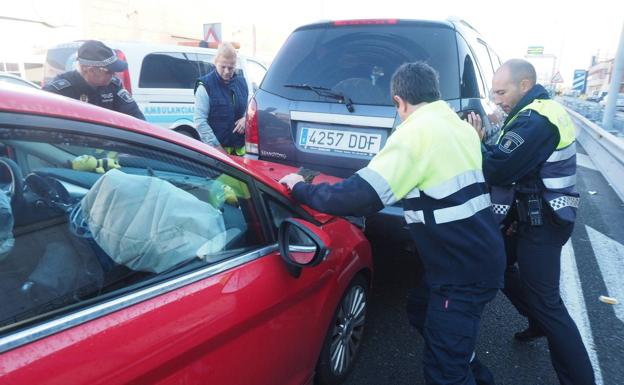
36,102
26,100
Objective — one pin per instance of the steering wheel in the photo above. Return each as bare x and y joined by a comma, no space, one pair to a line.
48,190
11,179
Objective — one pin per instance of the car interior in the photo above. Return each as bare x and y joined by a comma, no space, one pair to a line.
86,219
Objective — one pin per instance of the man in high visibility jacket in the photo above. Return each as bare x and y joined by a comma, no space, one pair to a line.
433,163
532,173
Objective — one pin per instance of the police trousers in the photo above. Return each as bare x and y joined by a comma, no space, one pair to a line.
533,288
448,319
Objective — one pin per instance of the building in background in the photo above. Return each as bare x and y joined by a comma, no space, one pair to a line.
599,75
30,28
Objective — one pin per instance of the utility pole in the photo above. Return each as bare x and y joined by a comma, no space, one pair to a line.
614,87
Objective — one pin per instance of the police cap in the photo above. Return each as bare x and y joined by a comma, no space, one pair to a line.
95,54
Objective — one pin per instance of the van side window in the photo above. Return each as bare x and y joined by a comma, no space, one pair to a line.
206,63
485,62
255,72
472,85
169,70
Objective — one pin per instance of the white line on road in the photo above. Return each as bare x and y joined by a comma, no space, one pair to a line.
572,295
610,256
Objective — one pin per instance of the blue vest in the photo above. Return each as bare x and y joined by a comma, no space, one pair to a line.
557,174
228,103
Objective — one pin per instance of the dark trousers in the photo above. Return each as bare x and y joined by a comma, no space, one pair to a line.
533,288
448,319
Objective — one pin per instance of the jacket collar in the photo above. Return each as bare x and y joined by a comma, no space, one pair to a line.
537,92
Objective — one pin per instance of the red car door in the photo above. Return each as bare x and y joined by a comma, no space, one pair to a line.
106,316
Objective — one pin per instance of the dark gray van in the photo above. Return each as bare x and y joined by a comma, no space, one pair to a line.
325,101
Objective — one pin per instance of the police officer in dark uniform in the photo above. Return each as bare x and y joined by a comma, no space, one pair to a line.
532,172
94,81
432,162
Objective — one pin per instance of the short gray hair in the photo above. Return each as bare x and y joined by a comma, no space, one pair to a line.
416,83
227,50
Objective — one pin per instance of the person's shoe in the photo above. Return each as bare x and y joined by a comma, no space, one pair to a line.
528,334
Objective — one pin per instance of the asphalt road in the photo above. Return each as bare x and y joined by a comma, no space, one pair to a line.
392,350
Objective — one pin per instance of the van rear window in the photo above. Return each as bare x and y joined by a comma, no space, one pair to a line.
359,60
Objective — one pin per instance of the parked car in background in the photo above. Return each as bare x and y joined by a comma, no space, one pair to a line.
597,96
325,101
13,79
177,265
160,77
619,101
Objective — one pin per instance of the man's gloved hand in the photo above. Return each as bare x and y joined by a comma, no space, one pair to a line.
291,180
307,174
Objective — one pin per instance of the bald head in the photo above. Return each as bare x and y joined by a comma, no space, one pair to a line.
511,82
519,70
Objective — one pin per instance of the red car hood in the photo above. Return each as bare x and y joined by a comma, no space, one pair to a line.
276,171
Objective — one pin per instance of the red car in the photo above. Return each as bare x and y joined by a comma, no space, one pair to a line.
130,254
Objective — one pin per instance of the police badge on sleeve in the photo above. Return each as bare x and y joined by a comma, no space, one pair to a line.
125,95
510,142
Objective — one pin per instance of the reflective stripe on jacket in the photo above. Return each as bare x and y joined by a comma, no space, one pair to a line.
433,163
558,172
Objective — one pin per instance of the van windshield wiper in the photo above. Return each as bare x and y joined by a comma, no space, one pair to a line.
326,92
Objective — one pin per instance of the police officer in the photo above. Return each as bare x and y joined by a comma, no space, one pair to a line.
220,104
433,163
94,81
532,173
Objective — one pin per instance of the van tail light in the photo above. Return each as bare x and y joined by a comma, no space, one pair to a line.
251,128
125,75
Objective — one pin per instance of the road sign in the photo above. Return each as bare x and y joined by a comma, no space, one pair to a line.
557,78
535,50
212,33
580,78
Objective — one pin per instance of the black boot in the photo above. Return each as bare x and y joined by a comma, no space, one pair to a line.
530,333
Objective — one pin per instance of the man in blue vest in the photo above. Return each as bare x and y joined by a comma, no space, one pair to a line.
532,173
220,104
433,163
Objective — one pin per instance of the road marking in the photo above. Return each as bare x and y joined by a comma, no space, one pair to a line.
572,295
610,256
585,161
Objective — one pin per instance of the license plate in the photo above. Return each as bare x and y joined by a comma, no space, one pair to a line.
351,142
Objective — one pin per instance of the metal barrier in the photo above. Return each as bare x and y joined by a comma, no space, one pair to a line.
594,111
605,150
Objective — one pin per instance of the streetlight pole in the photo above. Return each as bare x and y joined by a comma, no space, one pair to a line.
614,87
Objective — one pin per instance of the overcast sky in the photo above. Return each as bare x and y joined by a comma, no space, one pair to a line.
572,30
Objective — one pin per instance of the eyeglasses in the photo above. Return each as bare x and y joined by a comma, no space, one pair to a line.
105,70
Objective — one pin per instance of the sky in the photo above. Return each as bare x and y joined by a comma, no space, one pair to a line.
573,30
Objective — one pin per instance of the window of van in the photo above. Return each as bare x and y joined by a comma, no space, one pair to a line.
169,70
359,60
206,63
255,72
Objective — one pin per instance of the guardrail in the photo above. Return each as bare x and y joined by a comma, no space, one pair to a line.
594,112
605,150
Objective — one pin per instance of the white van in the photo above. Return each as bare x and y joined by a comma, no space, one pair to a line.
160,77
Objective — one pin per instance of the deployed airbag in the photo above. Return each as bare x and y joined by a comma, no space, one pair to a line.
148,224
